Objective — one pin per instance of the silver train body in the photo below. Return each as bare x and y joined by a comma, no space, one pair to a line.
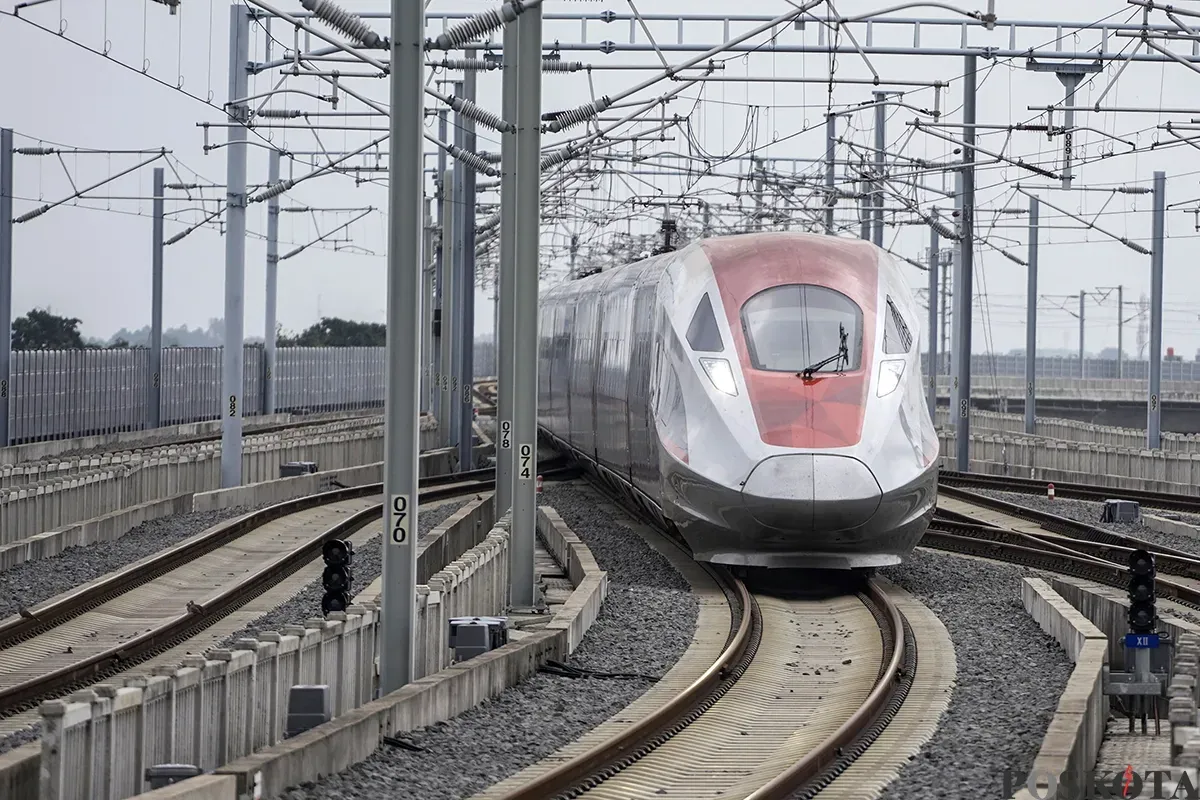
681,378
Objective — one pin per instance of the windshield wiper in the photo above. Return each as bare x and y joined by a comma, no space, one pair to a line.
843,354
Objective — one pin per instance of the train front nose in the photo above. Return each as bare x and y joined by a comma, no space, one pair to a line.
811,492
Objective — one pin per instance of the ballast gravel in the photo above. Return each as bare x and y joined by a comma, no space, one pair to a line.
368,563
33,582
646,623
1089,511
1010,678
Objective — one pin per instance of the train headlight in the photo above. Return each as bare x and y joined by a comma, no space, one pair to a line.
890,373
721,375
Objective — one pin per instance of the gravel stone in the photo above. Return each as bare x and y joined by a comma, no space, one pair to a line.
1010,678
20,738
1089,511
34,582
646,623
368,563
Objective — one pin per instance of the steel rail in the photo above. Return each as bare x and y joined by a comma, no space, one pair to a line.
983,541
1115,553
605,759
174,631
48,615
1070,491
1057,524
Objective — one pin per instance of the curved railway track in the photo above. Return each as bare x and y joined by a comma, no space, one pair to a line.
741,726
748,725
116,622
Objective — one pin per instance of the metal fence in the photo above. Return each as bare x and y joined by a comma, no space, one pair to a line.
58,394
1009,366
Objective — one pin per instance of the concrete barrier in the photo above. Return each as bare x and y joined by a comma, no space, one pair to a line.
1070,430
1163,524
1073,738
1108,609
1078,462
352,737
105,528
230,703
31,509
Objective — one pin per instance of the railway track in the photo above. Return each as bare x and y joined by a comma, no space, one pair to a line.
112,624
805,682
1070,491
1057,544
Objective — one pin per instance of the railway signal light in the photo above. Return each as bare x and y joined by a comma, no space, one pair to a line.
336,578
1141,592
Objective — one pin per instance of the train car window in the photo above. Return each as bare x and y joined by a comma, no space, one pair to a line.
897,338
791,327
703,334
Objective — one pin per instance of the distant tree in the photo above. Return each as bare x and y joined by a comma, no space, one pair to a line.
337,332
119,344
42,330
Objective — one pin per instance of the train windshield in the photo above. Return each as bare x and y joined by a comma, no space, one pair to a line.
791,327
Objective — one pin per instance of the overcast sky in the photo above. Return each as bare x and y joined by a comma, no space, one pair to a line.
93,261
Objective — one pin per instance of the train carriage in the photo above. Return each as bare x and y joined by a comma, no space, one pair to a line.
761,392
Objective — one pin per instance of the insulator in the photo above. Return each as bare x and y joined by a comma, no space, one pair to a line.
35,151
37,212
472,160
569,119
273,191
945,231
488,224
1013,258
480,115
345,21
477,27
558,157
467,64
555,65
491,158
280,113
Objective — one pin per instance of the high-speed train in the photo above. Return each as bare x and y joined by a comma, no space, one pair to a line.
760,392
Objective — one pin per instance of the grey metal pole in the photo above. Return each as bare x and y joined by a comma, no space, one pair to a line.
154,396
864,210
403,338
877,188
525,304
427,275
232,356
1082,369
507,277
963,289
272,286
443,264
466,305
830,158
1154,407
758,193
955,311
1031,294
934,245
946,310
451,258
1070,82
453,302
6,240
1120,331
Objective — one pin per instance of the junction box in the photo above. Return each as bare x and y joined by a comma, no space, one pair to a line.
308,707
1121,511
474,636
